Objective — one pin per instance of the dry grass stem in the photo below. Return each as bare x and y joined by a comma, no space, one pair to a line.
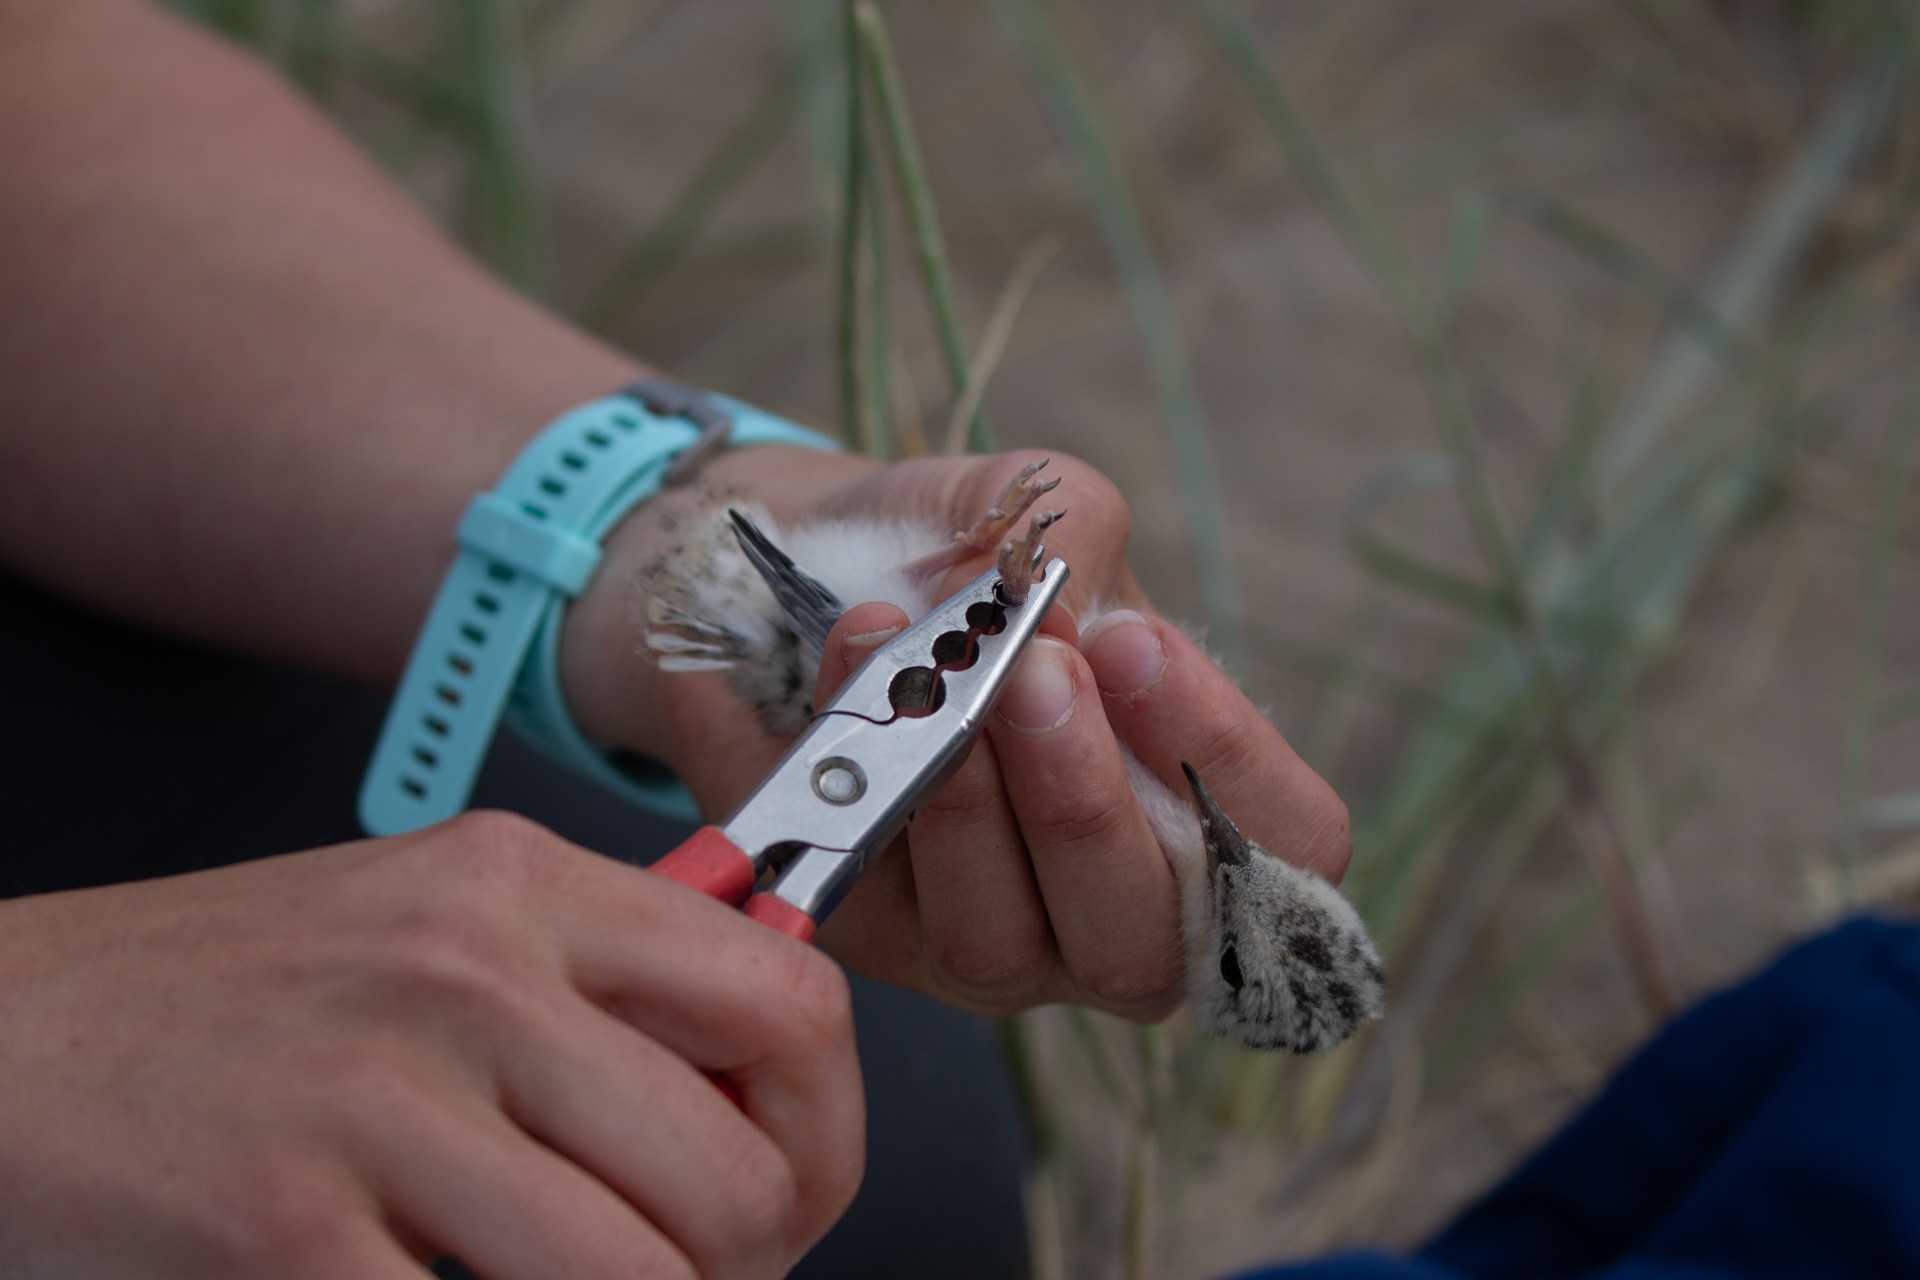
993,342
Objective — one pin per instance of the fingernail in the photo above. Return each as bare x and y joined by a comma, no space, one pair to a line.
872,638
1039,697
1125,654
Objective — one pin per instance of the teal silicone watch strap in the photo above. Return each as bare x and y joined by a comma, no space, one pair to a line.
490,643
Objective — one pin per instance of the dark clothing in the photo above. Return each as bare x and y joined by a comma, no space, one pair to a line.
1772,1131
130,755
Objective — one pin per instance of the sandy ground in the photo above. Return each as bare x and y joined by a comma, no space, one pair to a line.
1662,137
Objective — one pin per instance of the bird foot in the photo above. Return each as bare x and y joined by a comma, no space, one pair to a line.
1020,558
1014,500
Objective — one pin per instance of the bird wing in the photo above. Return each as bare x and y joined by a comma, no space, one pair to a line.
810,608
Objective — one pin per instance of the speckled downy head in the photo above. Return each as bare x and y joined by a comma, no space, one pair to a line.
1291,965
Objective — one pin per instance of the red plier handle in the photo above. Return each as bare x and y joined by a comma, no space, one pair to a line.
714,865
717,867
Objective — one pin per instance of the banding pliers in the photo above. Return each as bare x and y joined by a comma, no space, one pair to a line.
880,748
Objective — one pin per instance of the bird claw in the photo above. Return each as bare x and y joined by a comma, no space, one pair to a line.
1020,558
1020,494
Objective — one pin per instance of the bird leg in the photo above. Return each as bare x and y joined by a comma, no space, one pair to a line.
1020,558
1021,493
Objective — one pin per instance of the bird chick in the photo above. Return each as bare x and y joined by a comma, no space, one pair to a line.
1275,957
1280,960
727,594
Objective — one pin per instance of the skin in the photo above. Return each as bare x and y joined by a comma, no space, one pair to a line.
474,1040
247,390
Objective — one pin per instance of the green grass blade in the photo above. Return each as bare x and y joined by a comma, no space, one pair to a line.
878,398
1466,241
1326,664
1106,1067
1682,306
1745,288
675,229
487,66
916,199
1386,261
1896,469
1085,139
1491,1005
312,55
1409,475
427,98
854,294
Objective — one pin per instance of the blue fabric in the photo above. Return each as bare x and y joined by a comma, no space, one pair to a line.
1772,1131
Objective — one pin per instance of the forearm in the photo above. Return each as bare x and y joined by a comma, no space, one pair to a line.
247,387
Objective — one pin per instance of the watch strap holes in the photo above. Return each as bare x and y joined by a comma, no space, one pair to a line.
436,726
500,572
426,757
447,694
626,422
599,439
549,485
538,513
414,787
461,663
485,603
573,461
473,635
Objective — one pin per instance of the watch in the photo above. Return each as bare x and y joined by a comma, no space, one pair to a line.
491,641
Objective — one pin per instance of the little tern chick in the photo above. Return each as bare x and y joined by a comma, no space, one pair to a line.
1275,957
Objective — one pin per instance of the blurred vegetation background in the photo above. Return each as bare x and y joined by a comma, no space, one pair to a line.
1523,395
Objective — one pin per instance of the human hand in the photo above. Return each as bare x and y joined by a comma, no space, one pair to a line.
474,1040
1032,877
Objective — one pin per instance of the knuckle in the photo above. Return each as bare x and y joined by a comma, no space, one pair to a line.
974,795
1142,987
1222,751
436,944
494,845
277,1219
763,1195
450,953
656,1264
994,971
1075,819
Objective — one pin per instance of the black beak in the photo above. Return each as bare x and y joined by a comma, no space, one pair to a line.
1224,841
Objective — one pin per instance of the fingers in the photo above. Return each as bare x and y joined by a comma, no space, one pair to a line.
459,1176
690,984
657,1132
1032,875
983,937
1170,702
1109,892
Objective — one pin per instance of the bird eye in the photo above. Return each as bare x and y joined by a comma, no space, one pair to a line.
1230,969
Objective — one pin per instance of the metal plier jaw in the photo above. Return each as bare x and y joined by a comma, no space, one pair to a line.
887,741
891,737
